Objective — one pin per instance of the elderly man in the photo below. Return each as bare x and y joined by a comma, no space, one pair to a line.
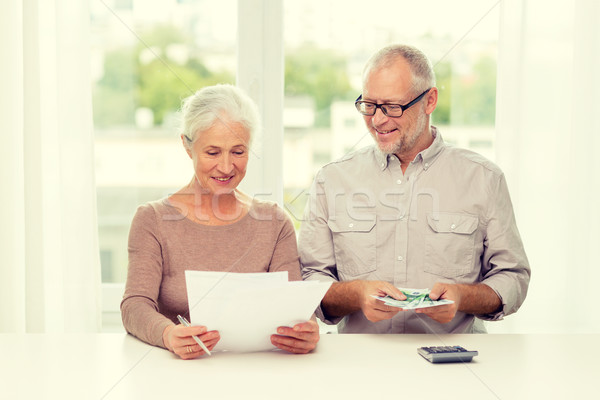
411,212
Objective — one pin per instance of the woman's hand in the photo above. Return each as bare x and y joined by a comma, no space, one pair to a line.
300,339
178,339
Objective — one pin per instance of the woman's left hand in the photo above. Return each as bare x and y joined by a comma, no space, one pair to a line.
300,339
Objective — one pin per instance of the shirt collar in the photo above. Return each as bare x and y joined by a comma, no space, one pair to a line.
430,154
381,158
427,156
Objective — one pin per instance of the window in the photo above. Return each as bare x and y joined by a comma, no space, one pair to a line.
147,56
326,46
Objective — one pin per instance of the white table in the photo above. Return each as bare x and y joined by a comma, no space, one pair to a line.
118,366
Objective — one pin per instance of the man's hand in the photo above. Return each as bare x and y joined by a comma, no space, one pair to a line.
345,298
375,310
476,299
300,339
445,313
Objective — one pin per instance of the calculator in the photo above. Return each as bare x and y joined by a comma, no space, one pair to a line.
446,354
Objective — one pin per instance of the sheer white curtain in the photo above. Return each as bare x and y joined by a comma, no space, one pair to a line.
50,272
548,137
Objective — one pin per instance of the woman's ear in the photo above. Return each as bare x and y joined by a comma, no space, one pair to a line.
186,145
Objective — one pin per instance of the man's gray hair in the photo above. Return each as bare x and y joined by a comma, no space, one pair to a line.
224,102
422,70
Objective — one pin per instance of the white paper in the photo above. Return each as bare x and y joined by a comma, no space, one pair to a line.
247,308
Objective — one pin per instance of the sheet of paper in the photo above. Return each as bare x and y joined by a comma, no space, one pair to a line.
246,309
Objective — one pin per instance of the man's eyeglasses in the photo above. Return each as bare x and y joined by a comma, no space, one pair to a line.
390,110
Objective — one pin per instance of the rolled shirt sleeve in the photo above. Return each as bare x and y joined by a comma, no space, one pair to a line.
505,267
315,244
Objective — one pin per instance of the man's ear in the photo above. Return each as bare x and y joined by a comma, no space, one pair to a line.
431,99
186,145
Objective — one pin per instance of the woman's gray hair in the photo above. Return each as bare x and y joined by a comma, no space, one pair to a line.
224,102
422,70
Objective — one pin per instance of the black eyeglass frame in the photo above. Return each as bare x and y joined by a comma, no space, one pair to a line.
404,107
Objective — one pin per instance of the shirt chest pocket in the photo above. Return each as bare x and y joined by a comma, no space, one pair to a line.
450,244
354,246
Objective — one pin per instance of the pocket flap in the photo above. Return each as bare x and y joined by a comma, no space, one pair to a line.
347,224
452,223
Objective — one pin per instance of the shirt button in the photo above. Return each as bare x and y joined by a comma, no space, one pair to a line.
350,225
399,181
426,165
382,165
400,258
452,226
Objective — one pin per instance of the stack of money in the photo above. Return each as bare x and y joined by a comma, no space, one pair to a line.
415,298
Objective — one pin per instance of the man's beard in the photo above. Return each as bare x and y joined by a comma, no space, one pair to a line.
404,143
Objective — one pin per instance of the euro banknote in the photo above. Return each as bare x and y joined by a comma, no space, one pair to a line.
415,298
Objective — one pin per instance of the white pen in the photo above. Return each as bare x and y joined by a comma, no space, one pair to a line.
185,323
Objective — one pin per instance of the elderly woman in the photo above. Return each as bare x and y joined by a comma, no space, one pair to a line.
210,225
